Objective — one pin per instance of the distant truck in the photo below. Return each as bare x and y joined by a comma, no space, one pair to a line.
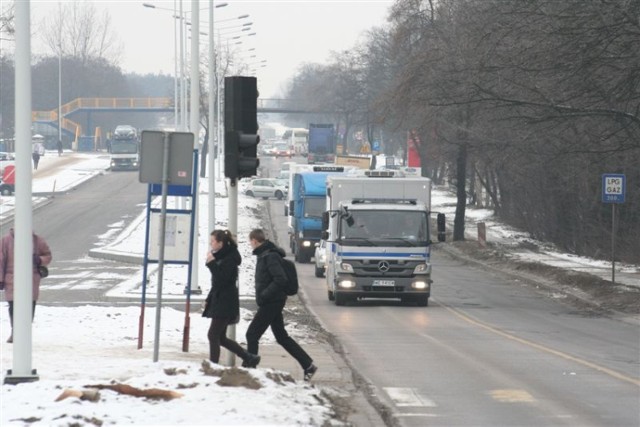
125,148
307,202
322,143
298,140
378,237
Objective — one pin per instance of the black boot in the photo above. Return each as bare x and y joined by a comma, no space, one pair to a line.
251,360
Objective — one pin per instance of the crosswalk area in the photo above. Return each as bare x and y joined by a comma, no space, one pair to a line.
89,274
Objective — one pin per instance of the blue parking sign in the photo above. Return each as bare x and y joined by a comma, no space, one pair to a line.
613,188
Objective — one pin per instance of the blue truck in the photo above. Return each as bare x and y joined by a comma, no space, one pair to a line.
322,143
308,199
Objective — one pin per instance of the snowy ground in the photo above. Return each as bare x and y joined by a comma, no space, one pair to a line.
104,351
104,342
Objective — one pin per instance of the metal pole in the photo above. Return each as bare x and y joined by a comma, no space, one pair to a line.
613,243
183,110
220,127
60,75
175,69
233,229
211,154
163,225
23,249
195,127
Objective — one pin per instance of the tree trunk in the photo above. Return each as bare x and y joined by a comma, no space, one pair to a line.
461,193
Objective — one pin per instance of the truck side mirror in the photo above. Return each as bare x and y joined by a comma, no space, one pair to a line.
325,220
291,204
441,227
324,235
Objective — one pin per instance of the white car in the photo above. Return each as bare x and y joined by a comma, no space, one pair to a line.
265,188
321,258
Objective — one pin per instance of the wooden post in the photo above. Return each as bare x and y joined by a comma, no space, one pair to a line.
482,235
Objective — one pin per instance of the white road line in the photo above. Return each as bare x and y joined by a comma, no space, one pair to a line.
402,396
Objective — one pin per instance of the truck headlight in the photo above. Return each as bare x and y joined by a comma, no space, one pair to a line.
306,243
422,269
346,284
420,284
346,267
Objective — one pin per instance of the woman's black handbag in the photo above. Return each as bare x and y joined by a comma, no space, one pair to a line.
43,271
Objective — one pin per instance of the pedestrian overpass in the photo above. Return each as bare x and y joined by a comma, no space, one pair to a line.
91,106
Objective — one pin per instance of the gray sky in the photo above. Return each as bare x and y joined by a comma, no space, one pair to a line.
288,33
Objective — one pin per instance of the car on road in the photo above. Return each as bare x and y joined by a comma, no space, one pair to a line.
6,159
321,258
8,180
283,150
266,188
267,150
283,182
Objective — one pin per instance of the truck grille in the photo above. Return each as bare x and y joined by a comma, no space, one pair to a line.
311,234
391,268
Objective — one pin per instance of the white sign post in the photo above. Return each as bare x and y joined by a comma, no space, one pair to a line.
613,191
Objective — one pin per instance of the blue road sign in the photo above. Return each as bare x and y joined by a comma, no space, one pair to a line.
613,188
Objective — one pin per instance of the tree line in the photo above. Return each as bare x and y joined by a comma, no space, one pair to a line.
521,105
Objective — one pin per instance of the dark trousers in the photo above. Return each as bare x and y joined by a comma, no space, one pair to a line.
33,312
218,337
271,315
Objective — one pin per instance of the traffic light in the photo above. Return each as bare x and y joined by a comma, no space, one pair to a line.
241,127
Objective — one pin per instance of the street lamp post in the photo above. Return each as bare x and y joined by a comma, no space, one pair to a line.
177,56
211,153
60,75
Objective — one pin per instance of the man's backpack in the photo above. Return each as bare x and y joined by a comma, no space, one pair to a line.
292,276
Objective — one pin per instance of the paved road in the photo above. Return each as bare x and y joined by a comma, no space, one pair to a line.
488,351
81,219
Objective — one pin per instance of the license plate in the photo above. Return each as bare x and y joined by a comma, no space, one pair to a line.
384,283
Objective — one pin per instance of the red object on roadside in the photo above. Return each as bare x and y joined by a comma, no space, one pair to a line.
413,157
9,175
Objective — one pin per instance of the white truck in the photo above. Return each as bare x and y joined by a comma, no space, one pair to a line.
125,148
378,237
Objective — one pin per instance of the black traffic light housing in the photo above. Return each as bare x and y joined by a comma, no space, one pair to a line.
241,127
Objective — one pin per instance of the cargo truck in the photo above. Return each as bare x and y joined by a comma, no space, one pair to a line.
125,148
308,195
322,143
378,237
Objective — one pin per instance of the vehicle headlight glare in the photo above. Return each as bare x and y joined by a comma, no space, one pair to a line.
420,284
306,243
347,284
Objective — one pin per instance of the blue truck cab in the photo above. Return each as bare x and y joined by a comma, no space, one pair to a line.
308,200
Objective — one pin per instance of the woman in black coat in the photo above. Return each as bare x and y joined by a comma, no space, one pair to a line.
223,303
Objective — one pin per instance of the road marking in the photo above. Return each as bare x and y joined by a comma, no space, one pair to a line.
607,371
403,396
512,396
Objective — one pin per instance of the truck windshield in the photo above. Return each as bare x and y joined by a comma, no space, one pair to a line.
314,207
386,228
124,147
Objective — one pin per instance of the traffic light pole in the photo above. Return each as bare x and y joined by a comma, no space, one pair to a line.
240,149
233,229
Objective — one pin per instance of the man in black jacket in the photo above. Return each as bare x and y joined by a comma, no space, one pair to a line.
270,282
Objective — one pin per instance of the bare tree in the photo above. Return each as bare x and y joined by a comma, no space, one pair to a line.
78,30
7,14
